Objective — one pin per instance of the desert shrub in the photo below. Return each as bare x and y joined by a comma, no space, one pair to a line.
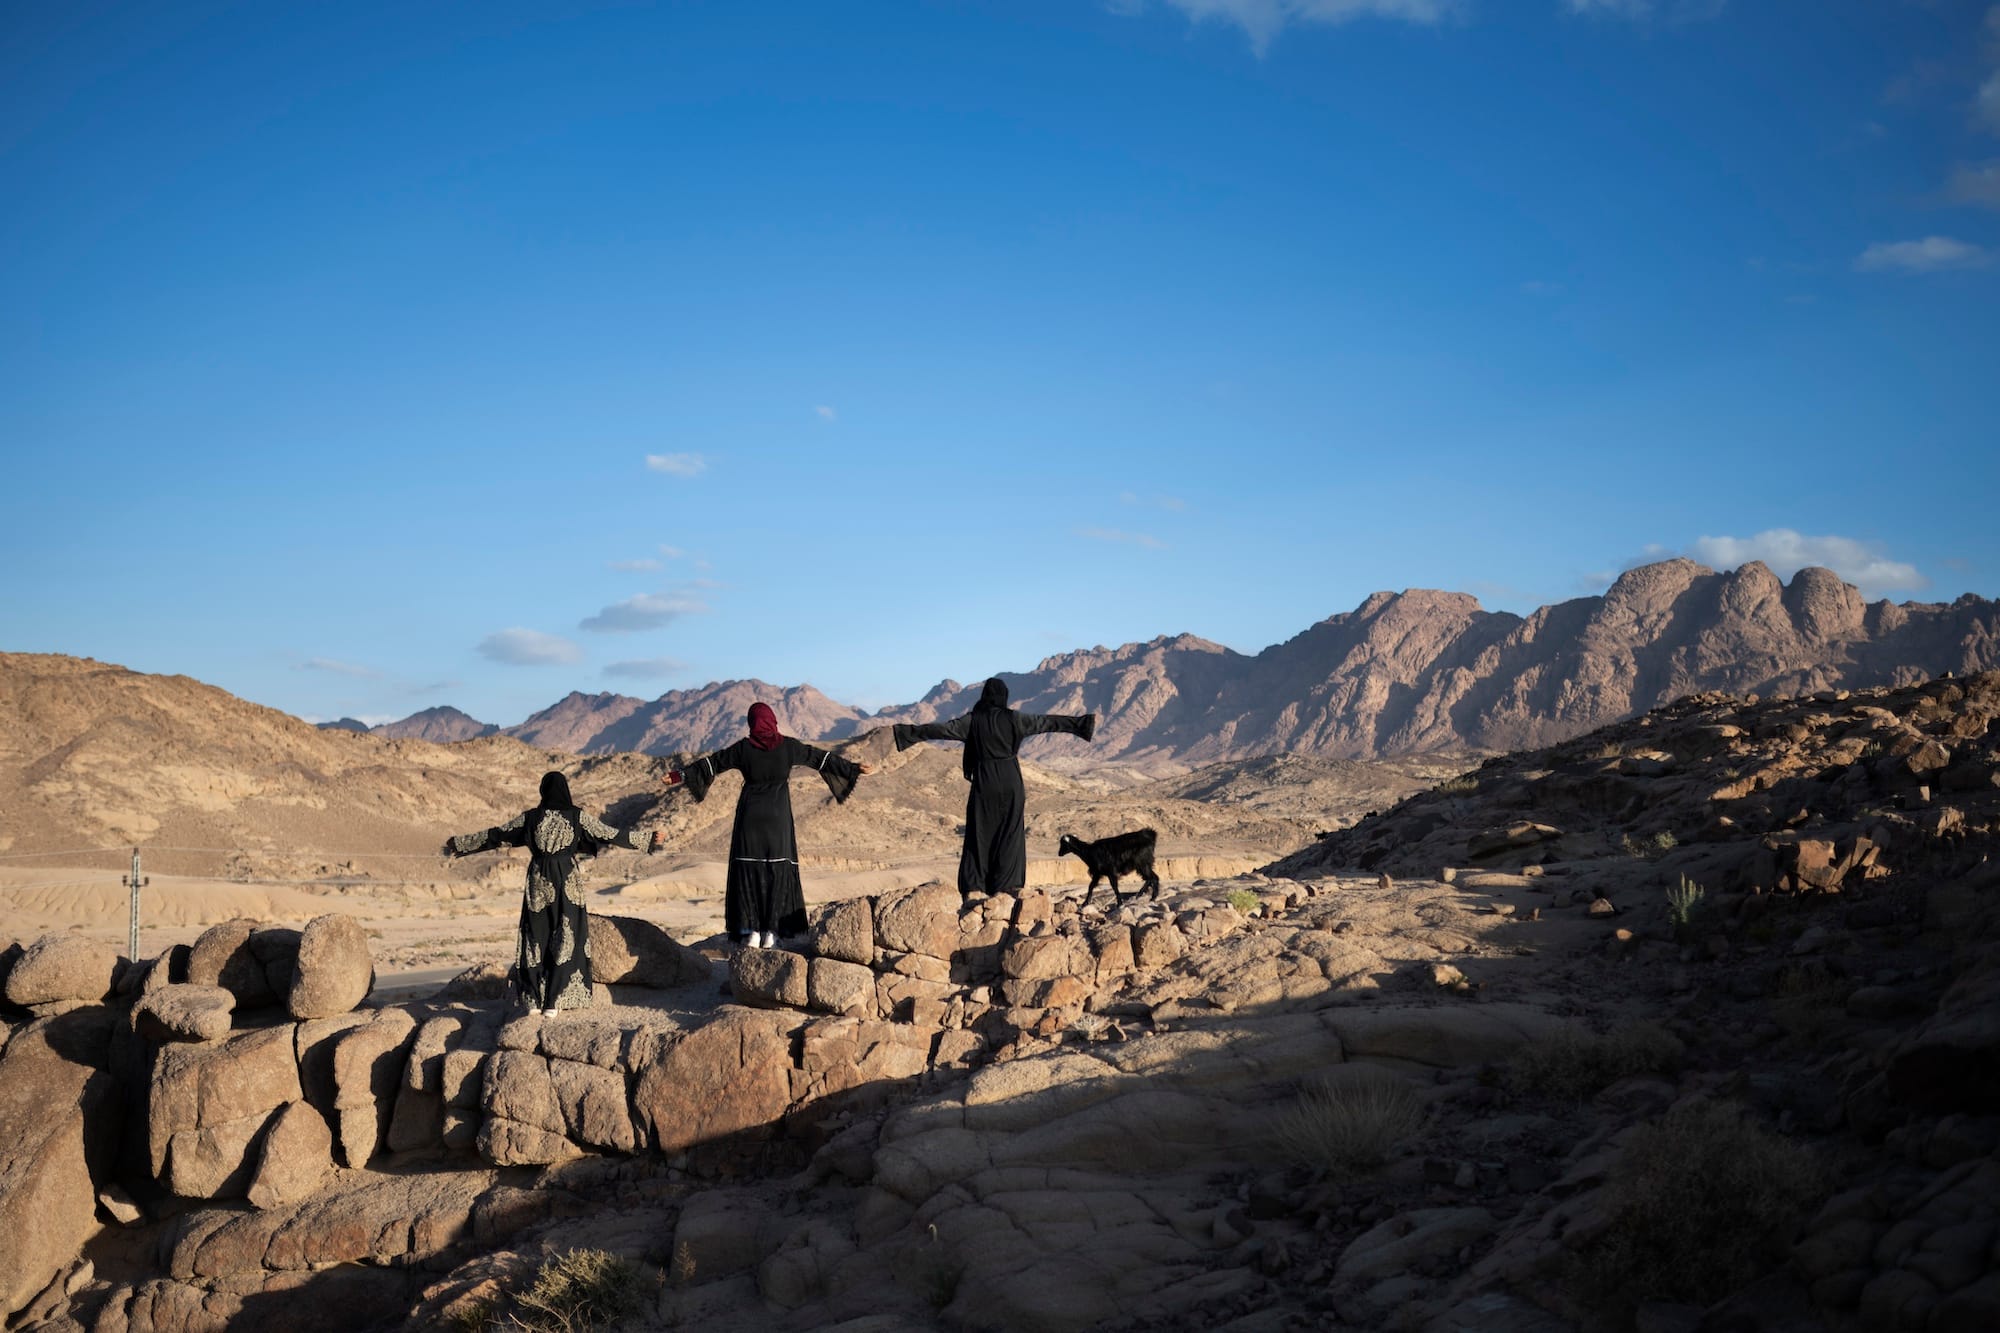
1243,901
1572,1065
1809,1002
579,1290
1347,1128
1683,901
1703,1201
1462,785
471,1317
1664,841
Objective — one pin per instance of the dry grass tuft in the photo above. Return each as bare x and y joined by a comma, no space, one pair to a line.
580,1290
1347,1128
1703,1201
1574,1066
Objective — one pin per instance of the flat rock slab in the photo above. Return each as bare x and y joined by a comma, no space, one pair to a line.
184,1013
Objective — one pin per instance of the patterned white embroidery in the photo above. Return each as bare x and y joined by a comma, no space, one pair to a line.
598,829
541,892
553,833
565,943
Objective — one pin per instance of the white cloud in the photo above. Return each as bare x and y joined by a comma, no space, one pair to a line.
333,667
1987,105
672,552
648,610
677,465
1976,183
646,668
636,566
1128,538
1672,11
1864,564
1263,20
527,647
825,413
1933,254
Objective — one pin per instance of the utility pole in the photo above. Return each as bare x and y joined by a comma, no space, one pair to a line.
135,881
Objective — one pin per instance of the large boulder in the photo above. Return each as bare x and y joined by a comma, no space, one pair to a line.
769,978
625,950
296,1159
524,1123
252,962
923,920
334,971
58,1136
1952,1062
209,1104
63,969
845,931
367,1071
730,1076
183,1013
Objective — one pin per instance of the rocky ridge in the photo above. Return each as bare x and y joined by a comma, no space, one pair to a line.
1404,673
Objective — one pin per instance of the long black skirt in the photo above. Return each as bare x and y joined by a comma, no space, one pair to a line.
552,961
764,895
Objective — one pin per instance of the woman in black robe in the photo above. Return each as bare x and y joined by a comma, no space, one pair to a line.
995,858
552,955
764,898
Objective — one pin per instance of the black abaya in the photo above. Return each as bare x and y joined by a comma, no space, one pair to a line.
763,889
995,855
552,949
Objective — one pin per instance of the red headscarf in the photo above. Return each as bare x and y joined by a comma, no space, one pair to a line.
764,727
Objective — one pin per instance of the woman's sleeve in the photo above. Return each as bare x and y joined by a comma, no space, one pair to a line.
513,833
839,772
1036,724
908,734
700,773
605,835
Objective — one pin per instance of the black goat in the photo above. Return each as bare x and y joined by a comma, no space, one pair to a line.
1120,854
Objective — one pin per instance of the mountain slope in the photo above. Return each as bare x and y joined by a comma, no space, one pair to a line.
1407,673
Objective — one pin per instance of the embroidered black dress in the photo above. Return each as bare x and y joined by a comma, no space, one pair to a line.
552,956
995,856
763,889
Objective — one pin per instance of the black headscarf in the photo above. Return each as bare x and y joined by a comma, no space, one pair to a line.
555,792
993,696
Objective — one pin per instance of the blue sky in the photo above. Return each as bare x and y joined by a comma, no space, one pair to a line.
360,358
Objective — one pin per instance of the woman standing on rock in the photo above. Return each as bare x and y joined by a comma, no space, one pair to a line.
995,857
764,898
552,956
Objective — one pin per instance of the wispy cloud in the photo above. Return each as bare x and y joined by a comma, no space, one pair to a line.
1173,504
646,668
1263,20
671,552
1128,538
1540,287
1666,11
677,465
637,566
1864,564
647,611
1932,254
1976,183
825,413
337,668
528,647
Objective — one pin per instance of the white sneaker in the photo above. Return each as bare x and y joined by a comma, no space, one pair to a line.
548,1013
770,939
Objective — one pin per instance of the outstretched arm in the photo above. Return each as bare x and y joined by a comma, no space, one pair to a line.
840,772
908,734
1036,724
513,833
701,773
604,835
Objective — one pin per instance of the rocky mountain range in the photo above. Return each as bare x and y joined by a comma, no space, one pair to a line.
1404,673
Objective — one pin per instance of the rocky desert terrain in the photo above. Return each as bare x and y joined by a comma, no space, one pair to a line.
1688,1022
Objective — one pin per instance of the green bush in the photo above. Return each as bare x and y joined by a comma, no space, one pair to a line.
1346,1129
1573,1065
579,1290
1683,901
1462,785
1703,1201
1244,901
